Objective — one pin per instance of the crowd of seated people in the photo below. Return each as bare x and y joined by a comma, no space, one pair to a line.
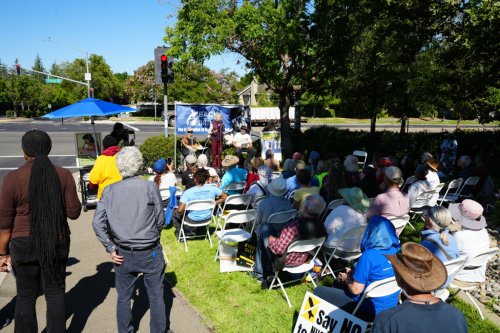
448,233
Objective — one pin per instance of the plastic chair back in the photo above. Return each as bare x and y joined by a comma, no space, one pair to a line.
380,288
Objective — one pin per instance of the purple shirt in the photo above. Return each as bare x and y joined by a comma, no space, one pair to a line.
391,203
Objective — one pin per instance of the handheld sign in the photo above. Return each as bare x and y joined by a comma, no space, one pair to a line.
318,316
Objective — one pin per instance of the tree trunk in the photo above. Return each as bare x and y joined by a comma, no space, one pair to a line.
373,122
286,140
402,129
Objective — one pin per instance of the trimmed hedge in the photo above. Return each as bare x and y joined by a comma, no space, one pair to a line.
327,139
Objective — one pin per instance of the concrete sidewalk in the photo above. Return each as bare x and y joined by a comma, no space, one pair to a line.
90,294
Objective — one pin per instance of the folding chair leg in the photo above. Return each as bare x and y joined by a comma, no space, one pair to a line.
183,236
475,304
217,252
209,239
280,284
327,265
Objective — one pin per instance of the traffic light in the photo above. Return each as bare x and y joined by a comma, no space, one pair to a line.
167,76
91,92
18,69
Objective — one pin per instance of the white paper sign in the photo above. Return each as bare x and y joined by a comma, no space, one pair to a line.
318,316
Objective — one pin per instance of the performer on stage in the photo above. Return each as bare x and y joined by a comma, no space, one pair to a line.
243,143
189,143
216,132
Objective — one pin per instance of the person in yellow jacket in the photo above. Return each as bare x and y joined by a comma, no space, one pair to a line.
105,171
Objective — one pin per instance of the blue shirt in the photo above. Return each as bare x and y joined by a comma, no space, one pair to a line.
292,184
234,175
374,266
451,248
206,192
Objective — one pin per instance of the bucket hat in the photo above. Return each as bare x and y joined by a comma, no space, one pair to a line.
277,187
469,214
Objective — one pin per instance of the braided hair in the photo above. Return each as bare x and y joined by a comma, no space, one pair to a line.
48,224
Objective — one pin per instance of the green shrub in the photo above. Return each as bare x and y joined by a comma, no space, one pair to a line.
11,114
157,147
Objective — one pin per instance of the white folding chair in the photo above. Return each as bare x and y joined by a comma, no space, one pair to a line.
282,217
433,201
236,186
380,288
362,156
399,222
331,206
196,205
302,246
276,175
470,183
452,192
474,261
237,235
452,268
343,249
422,200
234,199
410,180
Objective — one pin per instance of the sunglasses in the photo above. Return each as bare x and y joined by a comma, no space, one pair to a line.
189,131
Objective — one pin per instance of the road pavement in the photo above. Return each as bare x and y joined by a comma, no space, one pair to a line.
90,293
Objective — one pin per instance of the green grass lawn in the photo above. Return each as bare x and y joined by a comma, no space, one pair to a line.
234,302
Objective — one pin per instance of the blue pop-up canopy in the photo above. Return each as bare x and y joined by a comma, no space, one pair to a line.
91,107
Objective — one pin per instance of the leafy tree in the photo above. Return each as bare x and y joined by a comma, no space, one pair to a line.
272,35
38,66
139,86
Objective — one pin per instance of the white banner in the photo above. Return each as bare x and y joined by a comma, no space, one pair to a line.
318,316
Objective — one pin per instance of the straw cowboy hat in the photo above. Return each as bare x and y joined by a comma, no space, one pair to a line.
418,268
355,197
433,164
469,214
230,160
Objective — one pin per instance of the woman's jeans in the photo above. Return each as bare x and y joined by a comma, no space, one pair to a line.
31,281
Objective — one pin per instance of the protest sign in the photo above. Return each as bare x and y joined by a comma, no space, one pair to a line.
318,316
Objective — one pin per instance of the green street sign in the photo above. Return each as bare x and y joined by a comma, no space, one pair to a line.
52,80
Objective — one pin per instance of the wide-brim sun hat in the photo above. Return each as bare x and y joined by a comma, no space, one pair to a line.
277,187
419,268
356,199
433,164
468,214
230,160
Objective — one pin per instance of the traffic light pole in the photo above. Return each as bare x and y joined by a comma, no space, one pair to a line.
165,109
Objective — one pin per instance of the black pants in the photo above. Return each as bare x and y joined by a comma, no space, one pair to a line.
239,152
31,280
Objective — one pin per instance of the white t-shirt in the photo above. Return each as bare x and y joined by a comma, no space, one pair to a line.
242,140
433,179
338,222
167,180
469,242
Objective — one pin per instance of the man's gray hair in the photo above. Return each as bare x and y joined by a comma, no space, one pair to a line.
289,165
314,205
129,161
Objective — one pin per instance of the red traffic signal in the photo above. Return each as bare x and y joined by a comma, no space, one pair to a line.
164,58
18,69
167,76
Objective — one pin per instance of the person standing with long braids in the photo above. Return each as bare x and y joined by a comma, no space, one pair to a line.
35,202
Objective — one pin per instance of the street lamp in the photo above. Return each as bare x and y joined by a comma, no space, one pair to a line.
297,92
88,77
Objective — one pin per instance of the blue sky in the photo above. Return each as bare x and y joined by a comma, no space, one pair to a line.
124,32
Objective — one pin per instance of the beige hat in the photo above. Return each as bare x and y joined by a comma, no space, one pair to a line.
277,187
418,267
230,160
394,174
